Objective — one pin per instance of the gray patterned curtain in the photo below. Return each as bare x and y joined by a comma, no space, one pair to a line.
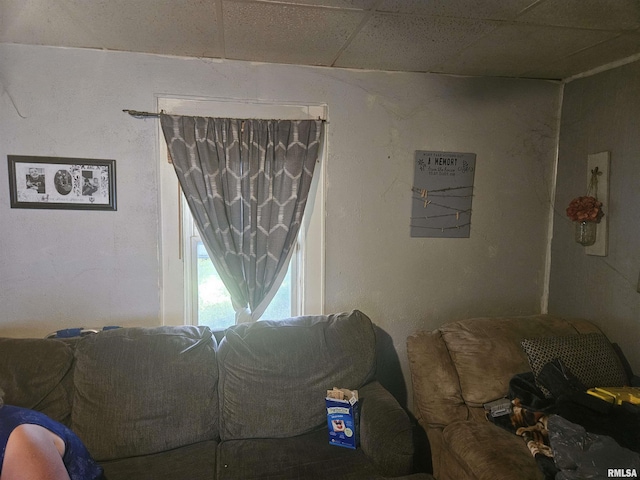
246,183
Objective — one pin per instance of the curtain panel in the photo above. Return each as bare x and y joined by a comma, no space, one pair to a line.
246,183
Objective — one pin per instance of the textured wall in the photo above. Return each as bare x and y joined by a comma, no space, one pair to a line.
601,113
65,268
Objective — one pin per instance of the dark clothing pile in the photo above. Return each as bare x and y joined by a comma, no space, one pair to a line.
572,435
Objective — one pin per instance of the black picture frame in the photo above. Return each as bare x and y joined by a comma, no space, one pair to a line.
62,183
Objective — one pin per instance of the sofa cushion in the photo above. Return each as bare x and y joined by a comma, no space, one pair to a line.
487,352
307,456
37,374
591,358
145,390
274,375
467,443
192,462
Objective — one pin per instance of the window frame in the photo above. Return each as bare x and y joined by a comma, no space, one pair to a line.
178,276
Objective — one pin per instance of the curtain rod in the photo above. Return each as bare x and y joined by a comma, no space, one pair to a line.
138,114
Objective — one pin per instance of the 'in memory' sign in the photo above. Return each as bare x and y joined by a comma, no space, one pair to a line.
441,194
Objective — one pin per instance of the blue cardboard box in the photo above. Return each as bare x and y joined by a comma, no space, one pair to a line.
343,415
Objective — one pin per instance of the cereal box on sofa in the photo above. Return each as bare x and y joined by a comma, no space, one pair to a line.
343,416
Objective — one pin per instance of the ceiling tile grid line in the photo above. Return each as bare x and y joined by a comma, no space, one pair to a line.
356,31
220,31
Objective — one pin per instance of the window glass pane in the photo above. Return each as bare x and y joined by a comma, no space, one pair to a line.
280,306
214,304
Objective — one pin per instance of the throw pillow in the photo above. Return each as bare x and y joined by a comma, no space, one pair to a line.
590,357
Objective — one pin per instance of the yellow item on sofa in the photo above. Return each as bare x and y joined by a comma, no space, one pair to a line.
617,395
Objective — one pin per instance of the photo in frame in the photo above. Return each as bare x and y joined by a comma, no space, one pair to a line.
62,183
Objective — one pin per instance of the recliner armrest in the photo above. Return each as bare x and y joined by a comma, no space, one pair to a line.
386,434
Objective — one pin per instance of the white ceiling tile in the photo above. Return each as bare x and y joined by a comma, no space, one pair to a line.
403,42
512,50
486,9
153,26
286,33
594,14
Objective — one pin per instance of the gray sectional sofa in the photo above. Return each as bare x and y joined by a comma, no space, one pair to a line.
173,403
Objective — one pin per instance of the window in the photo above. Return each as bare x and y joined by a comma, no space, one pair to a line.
192,292
208,297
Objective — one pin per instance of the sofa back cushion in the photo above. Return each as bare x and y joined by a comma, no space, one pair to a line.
145,390
487,352
274,375
37,374
464,364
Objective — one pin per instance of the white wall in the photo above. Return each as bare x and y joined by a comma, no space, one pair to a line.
69,268
601,113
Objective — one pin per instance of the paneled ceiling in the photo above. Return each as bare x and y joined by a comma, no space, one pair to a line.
552,39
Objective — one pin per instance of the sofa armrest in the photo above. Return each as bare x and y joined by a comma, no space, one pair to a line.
386,434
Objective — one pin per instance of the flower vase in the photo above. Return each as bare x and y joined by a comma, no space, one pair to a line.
586,233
